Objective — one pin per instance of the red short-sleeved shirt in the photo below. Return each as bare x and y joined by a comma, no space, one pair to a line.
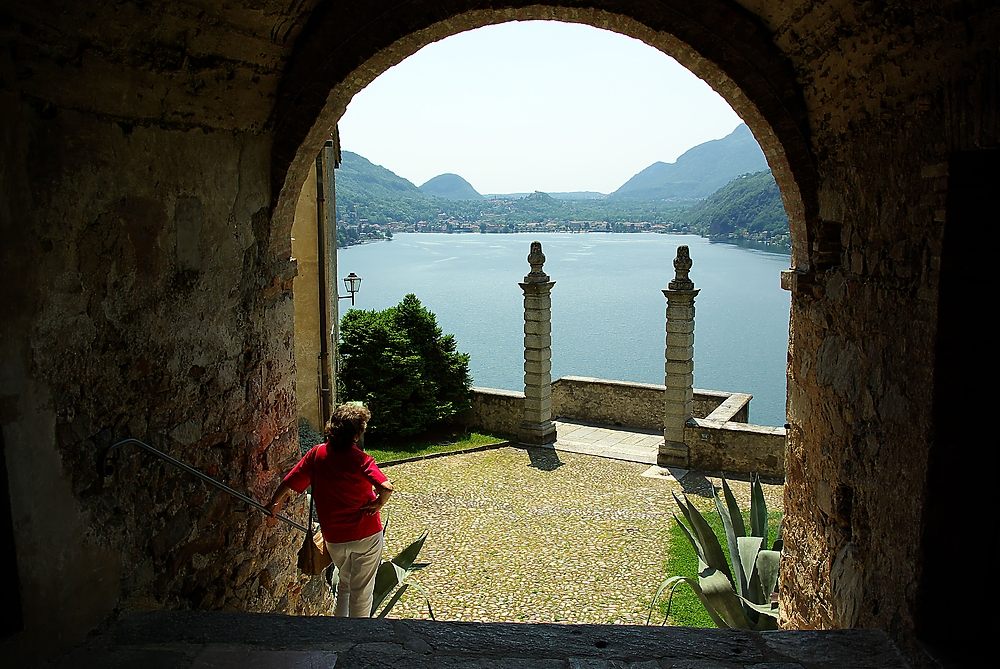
342,481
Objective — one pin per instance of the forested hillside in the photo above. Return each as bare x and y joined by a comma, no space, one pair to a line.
748,207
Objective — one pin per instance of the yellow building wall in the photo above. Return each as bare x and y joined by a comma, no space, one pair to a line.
306,298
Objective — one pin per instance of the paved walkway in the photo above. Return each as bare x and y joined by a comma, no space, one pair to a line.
616,444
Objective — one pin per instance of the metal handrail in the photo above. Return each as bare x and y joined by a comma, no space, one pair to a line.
204,477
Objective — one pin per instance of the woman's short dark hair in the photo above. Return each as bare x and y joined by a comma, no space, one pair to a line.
346,423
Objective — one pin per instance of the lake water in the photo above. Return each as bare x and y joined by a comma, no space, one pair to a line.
608,311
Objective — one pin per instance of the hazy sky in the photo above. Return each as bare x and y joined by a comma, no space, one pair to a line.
533,105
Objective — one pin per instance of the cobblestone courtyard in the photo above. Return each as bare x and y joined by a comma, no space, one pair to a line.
537,535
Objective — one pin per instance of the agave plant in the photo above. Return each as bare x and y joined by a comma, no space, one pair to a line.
391,577
744,596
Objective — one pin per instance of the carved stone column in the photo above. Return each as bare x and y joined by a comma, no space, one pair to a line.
679,367
536,425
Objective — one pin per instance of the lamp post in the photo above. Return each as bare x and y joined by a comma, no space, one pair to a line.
353,283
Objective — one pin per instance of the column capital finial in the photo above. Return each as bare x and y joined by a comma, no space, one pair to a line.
536,259
682,265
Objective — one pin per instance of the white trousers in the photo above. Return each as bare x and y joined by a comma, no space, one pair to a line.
358,562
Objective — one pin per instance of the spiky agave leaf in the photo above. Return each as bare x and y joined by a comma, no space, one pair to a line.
695,544
388,576
718,590
779,541
732,523
392,602
406,557
392,573
672,584
767,617
768,564
758,508
713,554
735,512
748,549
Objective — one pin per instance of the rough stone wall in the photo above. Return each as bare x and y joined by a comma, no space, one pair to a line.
496,411
863,322
634,405
146,295
735,447
718,443
159,310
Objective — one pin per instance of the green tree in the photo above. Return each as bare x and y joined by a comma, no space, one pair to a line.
400,364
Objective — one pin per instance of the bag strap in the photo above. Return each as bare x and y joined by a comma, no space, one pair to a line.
310,525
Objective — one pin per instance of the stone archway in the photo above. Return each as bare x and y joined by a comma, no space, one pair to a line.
726,47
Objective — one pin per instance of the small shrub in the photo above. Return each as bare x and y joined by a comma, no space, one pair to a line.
400,365
308,437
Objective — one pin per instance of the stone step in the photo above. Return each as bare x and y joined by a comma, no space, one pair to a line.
229,640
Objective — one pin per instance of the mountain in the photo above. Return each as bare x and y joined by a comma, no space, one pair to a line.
366,190
699,171
748,207
451,187
357,174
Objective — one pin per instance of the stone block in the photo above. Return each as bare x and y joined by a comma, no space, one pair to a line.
676,395
680,353
677,326
537,341
539,379
537,327
538,367
535,394
683,368
537,433
680,312
533,354
537,302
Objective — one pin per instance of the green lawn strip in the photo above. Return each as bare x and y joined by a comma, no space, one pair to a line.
416,448
686,609
420,448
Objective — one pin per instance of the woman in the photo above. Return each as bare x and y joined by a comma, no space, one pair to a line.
348,489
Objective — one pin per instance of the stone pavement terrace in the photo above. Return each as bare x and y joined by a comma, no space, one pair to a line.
539,558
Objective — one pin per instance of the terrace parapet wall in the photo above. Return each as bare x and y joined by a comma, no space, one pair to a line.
628,404
495,411
719,437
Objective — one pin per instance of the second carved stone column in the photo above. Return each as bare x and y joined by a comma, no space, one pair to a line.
679,365
536,425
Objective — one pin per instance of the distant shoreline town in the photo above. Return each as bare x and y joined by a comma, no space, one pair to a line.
349,234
